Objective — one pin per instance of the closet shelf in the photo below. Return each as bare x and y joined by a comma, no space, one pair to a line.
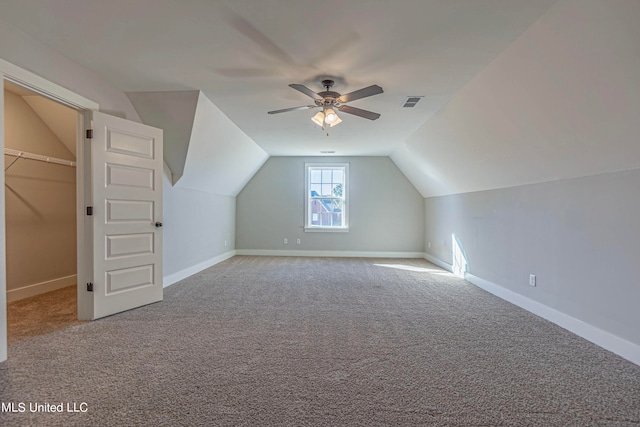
31,156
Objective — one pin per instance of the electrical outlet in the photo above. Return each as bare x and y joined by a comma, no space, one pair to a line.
286,241
225,243
298,242
429,245
532,279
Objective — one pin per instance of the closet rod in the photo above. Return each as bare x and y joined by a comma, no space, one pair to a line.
25,155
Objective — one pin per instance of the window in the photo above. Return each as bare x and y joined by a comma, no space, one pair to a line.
326,197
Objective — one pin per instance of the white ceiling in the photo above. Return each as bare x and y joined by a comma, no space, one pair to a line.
561,102
242,54
516,91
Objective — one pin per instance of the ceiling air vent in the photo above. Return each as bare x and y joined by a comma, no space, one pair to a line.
411,101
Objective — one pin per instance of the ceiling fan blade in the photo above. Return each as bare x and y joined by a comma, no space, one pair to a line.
251,32
304,107
307,91
358,112
360,93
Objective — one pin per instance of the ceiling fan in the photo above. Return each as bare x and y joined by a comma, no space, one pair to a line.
328,100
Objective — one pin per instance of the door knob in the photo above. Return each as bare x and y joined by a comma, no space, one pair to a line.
158,224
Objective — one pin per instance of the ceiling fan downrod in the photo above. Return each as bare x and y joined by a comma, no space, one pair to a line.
328,84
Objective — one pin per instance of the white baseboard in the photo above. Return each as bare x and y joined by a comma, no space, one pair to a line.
190,271
41,288
439,263
606,340
336,254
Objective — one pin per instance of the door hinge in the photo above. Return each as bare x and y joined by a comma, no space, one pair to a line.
89,133
90,287
89,210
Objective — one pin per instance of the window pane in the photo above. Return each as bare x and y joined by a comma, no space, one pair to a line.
325,219
315,176
337,190
327,212
325,206
316,212
326,196
337,219
315,190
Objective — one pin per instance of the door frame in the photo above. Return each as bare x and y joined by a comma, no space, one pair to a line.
84,107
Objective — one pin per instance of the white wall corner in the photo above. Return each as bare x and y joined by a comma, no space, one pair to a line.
190,271
167,172
438,262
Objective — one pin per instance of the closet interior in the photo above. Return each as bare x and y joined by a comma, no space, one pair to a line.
40,206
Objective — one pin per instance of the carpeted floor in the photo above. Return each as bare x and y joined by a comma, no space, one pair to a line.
261,341
42,314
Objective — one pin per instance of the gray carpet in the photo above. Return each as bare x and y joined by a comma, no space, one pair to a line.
42,314
261,341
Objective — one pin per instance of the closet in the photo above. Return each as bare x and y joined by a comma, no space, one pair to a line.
40,194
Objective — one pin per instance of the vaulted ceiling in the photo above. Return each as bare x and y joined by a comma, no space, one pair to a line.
60,119
491,72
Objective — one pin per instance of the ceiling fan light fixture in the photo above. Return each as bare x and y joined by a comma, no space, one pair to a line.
330,117
337,121
318,118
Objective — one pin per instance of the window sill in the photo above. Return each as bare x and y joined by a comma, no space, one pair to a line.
326,230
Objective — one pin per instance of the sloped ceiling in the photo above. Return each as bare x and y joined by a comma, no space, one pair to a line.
242,55
221,159
30,132
174,112
59,119
514,91
204,150
562,101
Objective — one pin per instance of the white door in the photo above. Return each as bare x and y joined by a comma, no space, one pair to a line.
126,162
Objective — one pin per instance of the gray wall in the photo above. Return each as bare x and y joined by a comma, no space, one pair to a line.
386,212
579,236
195,226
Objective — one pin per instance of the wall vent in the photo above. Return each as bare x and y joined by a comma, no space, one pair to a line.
411,101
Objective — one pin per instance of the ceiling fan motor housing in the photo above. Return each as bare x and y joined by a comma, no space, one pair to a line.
330,98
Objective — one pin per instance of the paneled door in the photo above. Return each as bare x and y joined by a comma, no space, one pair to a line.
126,163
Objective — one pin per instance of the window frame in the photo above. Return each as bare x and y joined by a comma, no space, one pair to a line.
308,227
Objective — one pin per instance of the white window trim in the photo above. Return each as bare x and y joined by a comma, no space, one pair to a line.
316,229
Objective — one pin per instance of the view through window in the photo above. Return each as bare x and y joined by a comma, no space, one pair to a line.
326,197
